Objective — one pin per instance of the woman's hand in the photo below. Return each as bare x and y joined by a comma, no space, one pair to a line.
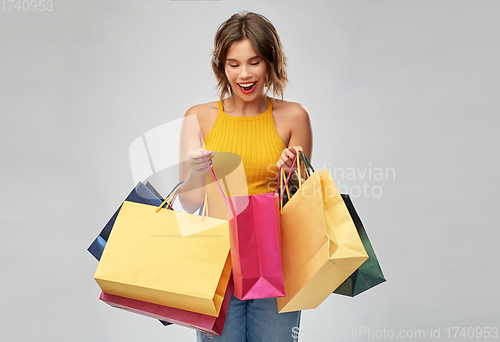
287,157
197,162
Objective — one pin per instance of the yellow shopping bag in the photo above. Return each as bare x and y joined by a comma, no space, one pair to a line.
147,259
319,242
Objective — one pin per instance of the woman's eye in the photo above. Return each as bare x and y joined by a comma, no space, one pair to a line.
233,66
256,63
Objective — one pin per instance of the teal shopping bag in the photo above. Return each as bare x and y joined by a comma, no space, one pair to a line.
369,274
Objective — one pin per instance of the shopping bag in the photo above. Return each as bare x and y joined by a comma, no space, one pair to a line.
147,259
205,323
320,244
369,274
254,231
141,193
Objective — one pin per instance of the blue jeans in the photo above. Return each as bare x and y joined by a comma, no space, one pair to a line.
256,320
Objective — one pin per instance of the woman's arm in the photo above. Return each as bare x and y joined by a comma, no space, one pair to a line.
192,166
299,128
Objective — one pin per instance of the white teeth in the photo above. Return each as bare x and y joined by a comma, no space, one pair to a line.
246,84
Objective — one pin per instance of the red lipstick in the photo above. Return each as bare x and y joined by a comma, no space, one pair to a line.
247,90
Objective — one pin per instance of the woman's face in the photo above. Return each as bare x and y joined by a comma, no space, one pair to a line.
245,71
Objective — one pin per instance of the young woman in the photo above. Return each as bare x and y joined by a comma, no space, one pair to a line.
246,137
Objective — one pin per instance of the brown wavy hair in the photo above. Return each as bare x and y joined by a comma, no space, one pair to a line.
266,43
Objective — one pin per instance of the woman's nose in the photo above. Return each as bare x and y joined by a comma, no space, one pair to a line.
245,72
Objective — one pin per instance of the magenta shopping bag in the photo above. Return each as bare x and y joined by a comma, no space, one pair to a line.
205,323
254,233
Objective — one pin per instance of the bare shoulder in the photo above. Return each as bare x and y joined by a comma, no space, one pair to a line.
203,109
206,113
286,110
292,123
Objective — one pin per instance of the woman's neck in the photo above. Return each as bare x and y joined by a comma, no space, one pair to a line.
237,107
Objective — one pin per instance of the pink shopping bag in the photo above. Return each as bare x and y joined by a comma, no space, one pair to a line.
254,235
205,323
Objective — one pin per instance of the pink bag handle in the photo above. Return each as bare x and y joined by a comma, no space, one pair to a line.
278,185
215,178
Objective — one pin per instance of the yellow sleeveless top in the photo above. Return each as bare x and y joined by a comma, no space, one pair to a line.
246,152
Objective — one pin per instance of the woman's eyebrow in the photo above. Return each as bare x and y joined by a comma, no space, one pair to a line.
235,60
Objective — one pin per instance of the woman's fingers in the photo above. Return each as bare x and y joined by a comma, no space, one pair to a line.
197,160
201,164
287,157
289,154
199,153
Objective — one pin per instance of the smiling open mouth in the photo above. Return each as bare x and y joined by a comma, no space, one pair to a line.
247,87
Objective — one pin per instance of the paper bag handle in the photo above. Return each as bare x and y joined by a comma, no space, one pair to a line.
281,177
215,178
169,201
281,190
204,212
173,195
307,164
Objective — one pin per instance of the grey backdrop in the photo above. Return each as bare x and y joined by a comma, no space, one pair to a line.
403,87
